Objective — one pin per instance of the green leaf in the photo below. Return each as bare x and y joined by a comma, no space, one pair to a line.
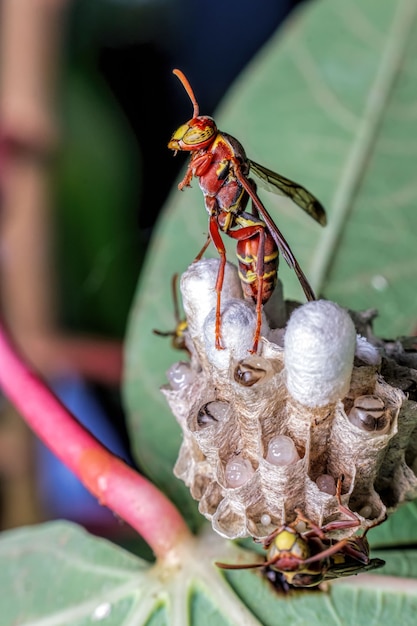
355,601
57,574
399,529
398,563
329,102
60,572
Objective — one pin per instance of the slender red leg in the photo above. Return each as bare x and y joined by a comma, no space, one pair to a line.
276,234
218,242
351,522
187,178
260,272
336,547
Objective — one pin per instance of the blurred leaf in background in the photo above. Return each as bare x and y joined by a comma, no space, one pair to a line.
99,245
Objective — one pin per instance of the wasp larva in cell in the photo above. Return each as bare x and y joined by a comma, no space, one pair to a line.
282,451
326,483
238,472
180,375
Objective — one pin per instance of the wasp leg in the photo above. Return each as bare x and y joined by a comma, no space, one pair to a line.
352,520
324,554
218,242
278,237
203,249
316,531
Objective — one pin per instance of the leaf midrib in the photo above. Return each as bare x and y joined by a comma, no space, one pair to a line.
357,157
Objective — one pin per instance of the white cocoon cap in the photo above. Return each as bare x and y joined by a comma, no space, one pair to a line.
320,343
366,351
199,295
237,329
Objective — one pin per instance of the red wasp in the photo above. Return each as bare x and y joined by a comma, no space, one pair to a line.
178,338
220,163
305,559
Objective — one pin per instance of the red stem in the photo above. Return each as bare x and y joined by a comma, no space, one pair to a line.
132,497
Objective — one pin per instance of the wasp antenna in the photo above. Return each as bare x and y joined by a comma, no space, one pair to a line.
240,566
188,89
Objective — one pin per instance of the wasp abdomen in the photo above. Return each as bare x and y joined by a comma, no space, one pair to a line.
247,254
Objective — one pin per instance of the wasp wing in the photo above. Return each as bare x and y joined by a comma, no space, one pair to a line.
271,181
276,234
351,567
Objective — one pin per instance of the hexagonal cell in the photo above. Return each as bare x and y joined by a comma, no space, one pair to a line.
268,433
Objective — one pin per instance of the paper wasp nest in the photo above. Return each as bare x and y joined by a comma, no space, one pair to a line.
265,434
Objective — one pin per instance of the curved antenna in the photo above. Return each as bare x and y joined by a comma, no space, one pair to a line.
240,566
188,89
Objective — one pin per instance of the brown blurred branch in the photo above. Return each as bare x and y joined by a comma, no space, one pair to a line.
30,47
30,54
19,502
30,33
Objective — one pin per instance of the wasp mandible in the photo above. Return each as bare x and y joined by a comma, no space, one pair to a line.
306,559
220,163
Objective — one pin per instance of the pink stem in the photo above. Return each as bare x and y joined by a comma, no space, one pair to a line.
122,489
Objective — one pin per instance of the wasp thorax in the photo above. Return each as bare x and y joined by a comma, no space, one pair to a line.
282,451
237,472
368,413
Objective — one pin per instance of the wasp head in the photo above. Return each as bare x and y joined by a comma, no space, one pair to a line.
288,550
198,133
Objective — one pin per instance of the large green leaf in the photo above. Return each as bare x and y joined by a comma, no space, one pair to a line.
399,529
329,102
58,575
